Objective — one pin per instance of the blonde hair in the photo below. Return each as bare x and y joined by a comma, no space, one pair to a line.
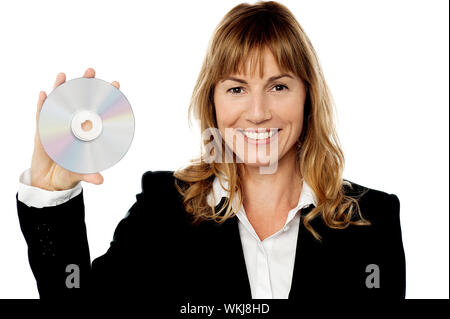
244,32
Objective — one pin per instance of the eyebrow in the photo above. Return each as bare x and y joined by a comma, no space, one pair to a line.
273,78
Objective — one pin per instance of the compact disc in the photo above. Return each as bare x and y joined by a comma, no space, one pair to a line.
86,125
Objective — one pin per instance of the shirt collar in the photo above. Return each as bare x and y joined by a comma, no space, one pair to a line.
218,191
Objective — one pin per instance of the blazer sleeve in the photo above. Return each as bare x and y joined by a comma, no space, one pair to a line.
58,249
393,276
57,246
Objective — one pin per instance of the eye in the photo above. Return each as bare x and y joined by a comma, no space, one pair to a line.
280,87
236,90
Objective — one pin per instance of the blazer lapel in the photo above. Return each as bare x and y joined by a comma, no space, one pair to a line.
307,255
237,260
232,257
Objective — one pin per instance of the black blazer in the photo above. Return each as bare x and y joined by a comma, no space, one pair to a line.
157,252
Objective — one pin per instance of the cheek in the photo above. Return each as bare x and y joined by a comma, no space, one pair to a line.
292,112
298,116
227,114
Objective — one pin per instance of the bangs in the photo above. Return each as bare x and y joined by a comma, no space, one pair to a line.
241,42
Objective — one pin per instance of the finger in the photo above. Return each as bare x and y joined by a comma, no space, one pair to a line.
60,79
89,73
116,84
41,99
93,178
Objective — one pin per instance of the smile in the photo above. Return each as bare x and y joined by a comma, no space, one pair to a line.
261,136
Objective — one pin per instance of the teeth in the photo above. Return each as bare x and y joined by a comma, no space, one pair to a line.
259,136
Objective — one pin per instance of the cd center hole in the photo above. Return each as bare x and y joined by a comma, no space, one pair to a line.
86,125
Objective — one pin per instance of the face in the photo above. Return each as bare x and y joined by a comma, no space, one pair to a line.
260,118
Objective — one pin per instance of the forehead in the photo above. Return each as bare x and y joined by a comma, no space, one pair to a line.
259,63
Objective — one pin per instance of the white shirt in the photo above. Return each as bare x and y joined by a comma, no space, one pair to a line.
269,263
38,197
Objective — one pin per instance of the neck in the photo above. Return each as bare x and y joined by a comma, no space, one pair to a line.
267,193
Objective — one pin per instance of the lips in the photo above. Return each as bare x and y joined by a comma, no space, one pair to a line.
260,135
260,129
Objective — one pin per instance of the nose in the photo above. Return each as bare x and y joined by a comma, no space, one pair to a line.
258,110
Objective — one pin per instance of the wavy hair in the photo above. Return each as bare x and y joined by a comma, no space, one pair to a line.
243,34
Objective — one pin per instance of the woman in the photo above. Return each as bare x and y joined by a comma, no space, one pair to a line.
263,213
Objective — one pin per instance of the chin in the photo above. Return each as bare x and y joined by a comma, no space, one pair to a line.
260,162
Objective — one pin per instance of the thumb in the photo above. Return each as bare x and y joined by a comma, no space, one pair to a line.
96,179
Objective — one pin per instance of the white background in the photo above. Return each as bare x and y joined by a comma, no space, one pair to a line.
386,63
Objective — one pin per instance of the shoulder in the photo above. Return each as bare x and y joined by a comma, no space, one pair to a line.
378,206
368,194
160,185
153,180
160,193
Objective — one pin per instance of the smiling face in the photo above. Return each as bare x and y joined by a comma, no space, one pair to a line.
260,112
